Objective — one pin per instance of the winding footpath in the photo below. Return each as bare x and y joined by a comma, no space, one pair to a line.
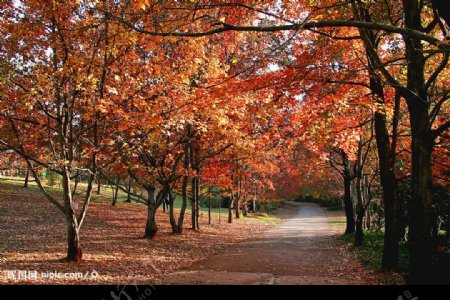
301,250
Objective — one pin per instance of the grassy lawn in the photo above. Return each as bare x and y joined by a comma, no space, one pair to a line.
371,253
372,249
106,195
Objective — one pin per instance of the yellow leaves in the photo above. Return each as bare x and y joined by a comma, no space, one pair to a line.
222,121
234,61
185,79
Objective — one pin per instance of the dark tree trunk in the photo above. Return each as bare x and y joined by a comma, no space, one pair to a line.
193,204
74,253
209,205
348,205
115,191
230,209
197,202
77,179
128,187
173,222
99,185
151,228
386,153
388,180
420,206
27,176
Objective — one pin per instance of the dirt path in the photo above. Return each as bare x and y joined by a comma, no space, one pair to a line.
301,250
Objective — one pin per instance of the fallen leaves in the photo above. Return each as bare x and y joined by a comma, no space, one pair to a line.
33,238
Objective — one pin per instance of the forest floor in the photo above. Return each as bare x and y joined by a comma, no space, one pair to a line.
296,244
33,241
303,249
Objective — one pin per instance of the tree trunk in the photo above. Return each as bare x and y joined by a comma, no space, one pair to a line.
367,217
173,222
128,187
115,191
184,193
238,197
27,176
197,202
244,207
359,233
151,228
74,253
230,208
75,186
386,153
348,204
209,205
420,206
236,208
99,185
193,204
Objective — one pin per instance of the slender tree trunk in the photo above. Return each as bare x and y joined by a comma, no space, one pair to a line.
209,205
359,233
197,202
244,210
99,185
173,222
75,186
193,205
230,208
184,192
27,176
388,180
386,153
238,197
115,191
128,187
348,204
368,216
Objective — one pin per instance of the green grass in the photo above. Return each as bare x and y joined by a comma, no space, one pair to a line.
106,195
372,249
